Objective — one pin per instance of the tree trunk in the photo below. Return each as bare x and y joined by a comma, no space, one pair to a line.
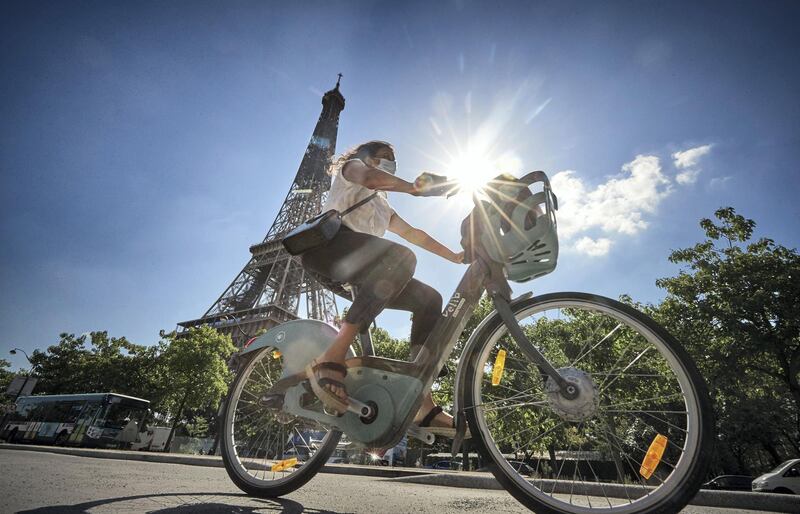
772,451
794,385
168,445
553,461
792,441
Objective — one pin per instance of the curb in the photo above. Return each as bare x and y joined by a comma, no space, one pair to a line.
704,498
471,480
211,461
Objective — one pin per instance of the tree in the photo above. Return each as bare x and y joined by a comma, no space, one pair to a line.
735,309
195,364
6,375
105,364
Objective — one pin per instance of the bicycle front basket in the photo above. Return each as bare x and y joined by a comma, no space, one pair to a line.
521,227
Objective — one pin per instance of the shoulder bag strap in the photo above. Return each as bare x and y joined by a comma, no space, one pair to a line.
359,204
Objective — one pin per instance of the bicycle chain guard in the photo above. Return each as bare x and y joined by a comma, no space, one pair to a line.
392,394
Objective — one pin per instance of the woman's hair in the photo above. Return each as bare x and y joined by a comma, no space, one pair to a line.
368,149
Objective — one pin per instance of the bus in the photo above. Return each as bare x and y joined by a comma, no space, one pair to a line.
97,420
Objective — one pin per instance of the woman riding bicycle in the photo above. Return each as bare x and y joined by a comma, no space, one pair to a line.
381,270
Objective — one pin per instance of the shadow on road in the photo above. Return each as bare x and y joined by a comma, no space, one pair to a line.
183,503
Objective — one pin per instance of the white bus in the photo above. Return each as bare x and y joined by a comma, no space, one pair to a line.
94,420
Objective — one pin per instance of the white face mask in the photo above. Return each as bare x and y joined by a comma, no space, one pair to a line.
387,166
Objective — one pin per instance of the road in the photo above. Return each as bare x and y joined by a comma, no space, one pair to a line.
45,483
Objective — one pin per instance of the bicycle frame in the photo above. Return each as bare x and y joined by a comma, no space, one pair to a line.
413,378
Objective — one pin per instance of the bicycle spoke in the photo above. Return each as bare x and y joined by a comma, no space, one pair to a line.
637,393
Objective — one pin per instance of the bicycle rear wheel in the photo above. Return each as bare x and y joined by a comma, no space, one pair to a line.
638,390
260,442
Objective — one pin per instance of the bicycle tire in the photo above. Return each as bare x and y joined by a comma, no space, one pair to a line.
236,469
692,467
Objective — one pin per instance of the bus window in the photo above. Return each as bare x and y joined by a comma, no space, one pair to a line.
118,415
75,409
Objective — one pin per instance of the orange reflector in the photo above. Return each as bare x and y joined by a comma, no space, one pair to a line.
276,354
653,456
497,369
284,464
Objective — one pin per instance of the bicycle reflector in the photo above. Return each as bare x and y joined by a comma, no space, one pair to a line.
653,457
284,464
276,354
497,369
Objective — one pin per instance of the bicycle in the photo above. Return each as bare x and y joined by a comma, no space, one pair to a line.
606,407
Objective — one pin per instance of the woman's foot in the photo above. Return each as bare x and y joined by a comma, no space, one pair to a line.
327,382
440,418
326,373
435,420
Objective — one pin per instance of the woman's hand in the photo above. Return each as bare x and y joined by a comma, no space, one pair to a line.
458,258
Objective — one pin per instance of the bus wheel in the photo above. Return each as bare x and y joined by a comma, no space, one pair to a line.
12,437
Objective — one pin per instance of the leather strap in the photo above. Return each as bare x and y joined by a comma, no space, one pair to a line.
359,204
329,381
426,421
333,366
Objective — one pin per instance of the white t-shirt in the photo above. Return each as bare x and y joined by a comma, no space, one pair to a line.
371,218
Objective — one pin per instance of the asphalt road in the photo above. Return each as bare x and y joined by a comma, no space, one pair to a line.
45,483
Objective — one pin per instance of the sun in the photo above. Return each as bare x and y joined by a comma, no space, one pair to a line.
471,170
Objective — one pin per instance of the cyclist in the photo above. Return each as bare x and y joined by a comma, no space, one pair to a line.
381,270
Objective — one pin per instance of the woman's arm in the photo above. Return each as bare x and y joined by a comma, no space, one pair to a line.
371,178
421,238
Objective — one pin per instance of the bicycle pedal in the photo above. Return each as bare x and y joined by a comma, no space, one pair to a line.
421,434
272,401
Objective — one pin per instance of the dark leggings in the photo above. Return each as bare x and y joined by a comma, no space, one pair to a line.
382,273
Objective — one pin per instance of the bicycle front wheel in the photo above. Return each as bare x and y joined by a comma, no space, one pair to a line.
267,452
636,439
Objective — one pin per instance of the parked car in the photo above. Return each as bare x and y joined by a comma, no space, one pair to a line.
730,483
519,466
783,479
445,464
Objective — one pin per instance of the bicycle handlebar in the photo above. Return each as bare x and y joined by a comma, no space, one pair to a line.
430,184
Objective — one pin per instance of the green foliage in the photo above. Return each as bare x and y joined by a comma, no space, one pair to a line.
103,365
734,307
5,375
195,365
388,346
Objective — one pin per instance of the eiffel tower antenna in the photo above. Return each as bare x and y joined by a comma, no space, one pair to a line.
268,291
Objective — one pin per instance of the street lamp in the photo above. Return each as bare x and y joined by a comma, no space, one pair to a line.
27,375
14,352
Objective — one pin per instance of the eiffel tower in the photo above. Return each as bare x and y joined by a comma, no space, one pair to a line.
268,290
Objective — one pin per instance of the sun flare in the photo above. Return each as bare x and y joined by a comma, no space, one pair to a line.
471,171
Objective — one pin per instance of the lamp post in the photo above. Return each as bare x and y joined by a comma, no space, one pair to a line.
27,375
24,383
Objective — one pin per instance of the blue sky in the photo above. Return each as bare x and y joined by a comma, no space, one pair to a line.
144,146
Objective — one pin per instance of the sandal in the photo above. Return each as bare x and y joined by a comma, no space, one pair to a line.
448,432
329,400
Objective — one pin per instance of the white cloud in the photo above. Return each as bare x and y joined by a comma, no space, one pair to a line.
689,158
618,206
718,182
687,176
593,247
687,162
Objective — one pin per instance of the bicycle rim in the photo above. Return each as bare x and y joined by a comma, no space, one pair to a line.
261,443
584,456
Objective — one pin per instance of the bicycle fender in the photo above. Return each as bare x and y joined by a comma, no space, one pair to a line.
474,339
299,342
